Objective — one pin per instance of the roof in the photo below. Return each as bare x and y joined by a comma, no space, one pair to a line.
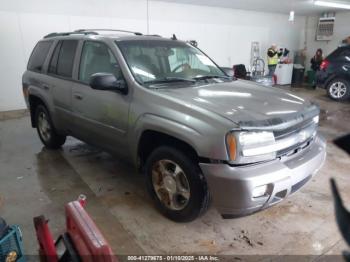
103,34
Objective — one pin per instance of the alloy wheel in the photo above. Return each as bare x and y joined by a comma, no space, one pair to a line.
44,126
170,184
337,90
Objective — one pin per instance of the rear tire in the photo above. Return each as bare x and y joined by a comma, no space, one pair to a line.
338,89
46,130
176,184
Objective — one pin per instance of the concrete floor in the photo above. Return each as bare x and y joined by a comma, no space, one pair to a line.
36,181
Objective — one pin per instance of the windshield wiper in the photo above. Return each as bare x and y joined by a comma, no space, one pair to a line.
210,77
169,80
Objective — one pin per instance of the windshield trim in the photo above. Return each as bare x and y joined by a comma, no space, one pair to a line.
170,80
219,67
116,42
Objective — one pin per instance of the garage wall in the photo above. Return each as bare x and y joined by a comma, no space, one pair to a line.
341,31
224,34
23,23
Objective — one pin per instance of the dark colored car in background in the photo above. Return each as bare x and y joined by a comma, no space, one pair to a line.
334,74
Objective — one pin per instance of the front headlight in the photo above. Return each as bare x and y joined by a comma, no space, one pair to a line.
245,147
249,147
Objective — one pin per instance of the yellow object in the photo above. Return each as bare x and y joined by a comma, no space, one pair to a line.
272,60
11,256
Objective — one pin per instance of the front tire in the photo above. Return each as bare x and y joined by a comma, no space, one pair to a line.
339,89
46,130
176,184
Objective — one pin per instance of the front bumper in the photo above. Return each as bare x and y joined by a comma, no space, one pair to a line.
232,187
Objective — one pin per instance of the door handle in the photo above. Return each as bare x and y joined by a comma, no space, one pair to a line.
77,96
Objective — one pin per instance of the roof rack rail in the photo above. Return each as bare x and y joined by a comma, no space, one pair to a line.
70,33
112,30
154,35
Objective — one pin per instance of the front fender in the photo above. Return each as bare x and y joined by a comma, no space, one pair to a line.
206,140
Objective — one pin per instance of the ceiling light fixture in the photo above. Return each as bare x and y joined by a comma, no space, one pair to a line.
291,16
332,4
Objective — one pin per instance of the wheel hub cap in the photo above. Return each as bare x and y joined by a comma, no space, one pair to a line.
337,89
44,126
170,184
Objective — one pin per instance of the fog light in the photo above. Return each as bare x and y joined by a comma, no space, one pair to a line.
259,191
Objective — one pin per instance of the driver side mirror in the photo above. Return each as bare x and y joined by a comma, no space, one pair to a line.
107,81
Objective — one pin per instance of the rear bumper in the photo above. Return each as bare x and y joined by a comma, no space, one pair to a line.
232,187
322,78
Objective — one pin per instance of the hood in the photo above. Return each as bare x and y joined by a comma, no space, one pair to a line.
247,104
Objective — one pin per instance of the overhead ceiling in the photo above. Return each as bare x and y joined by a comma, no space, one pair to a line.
301,7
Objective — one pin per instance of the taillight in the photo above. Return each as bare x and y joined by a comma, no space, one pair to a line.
324,64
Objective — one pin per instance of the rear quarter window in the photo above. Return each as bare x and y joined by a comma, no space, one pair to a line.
66,58
62,59
38,56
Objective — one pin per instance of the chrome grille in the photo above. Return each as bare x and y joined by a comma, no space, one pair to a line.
307,128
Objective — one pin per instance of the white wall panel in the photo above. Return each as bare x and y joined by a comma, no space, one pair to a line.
136,25
36,25
12,62
108,8
81,22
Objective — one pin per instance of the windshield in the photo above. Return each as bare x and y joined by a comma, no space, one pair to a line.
159,61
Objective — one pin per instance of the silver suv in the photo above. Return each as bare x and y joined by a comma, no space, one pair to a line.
166,107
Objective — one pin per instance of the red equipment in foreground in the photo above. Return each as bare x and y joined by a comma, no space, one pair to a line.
82,240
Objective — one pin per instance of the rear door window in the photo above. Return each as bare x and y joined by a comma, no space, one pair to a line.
63,58
39,54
